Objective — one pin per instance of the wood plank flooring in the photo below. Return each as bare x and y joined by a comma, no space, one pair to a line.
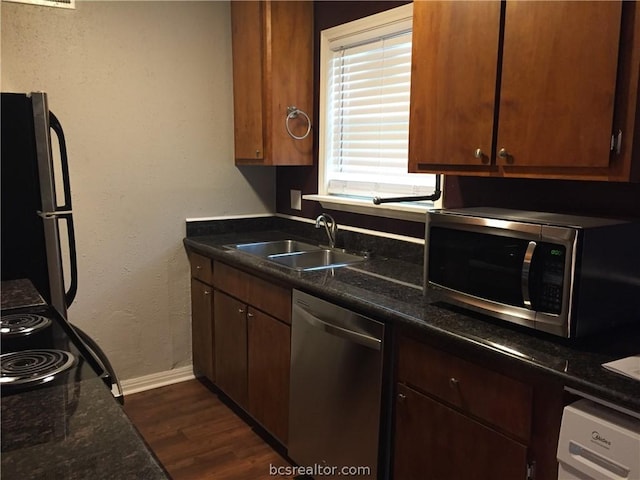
197,437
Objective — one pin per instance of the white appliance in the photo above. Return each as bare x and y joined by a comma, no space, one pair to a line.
597,442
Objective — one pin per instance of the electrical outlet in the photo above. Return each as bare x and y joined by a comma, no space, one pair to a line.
296,200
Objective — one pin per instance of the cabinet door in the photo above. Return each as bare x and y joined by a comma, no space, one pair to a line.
289,68
558,84
231,347
247,34
433,441
272,70
202,329
268,370
453,84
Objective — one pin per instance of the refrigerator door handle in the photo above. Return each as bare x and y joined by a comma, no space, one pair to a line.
70,294
55,125
64,211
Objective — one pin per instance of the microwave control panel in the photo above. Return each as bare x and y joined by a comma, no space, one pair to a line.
547,278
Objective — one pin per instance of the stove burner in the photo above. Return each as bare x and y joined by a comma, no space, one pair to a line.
30,367
22,324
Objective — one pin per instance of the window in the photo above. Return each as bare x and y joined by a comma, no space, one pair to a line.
364,112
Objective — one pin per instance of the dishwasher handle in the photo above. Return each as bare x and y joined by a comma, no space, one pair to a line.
357,337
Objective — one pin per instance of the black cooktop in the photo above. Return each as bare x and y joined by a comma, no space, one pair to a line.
40,349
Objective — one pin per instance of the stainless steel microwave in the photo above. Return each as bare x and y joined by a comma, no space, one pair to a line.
566,275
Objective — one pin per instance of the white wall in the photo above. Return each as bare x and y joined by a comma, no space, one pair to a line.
144,93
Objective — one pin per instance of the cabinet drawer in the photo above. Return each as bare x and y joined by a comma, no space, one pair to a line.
255,291
499,400
201,267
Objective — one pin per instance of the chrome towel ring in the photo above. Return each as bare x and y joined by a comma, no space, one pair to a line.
293,112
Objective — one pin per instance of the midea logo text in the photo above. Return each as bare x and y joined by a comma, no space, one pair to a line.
599,439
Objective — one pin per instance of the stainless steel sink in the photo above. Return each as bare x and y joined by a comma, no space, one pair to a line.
297,255
316,260
264,249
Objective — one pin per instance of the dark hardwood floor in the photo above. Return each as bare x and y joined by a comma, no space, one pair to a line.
196,436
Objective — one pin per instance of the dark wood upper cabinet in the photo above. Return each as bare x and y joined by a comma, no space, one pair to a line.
558,83
272,70
524,89
453,83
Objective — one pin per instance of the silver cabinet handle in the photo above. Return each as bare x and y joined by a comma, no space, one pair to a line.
249,315
402,397
503,153
198,267
453,382
526,269
478,153
207,292
240,310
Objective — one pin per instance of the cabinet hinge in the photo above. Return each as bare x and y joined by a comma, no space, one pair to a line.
531,471
616,142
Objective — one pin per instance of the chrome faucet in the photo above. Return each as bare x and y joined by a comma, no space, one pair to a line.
330,226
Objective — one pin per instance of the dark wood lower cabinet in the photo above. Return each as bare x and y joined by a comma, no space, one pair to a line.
269,350
202,329
252,354
463,414
231,347
459,414
435,442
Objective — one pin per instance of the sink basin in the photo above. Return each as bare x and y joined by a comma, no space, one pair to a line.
297,255
316,260
265,249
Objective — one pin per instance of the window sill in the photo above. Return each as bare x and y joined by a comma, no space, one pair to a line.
402,211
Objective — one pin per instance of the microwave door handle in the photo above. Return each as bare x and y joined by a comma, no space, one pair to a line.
526,270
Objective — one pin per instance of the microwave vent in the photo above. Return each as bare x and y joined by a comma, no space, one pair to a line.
48,3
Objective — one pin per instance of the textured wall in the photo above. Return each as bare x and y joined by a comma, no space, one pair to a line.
144,93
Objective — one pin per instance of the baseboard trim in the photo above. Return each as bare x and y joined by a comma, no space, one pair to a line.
156,380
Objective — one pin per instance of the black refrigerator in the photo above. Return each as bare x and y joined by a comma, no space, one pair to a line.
38,240
34,214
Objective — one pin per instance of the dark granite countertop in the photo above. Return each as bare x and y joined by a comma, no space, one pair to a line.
19,293
75,431
391,290
72,432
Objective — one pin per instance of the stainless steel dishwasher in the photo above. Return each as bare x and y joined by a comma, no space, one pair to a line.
336,389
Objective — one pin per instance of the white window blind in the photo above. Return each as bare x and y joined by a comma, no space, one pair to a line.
368,82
